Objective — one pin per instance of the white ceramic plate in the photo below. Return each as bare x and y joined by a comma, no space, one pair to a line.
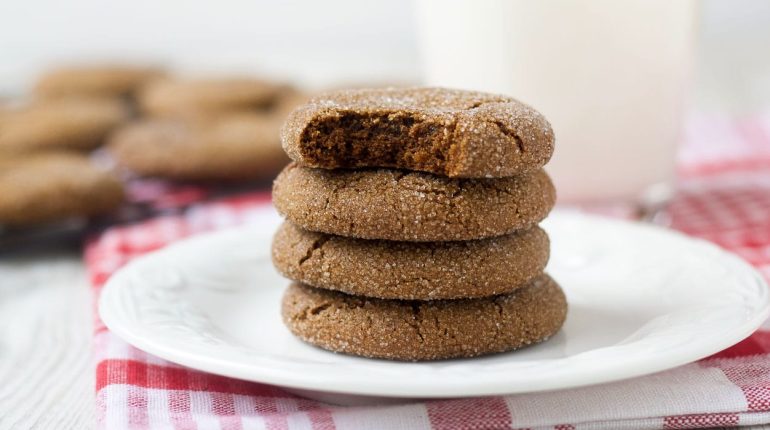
642,299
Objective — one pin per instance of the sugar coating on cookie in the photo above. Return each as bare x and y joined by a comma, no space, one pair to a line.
410,206
94,81
425,330
72,124
203,97
227,148
442,131
409,270
48,187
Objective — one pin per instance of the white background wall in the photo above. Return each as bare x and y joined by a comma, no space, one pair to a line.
734,55
319,42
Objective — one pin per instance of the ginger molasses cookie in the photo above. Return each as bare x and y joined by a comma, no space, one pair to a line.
447,132
70,124
410,206
44,187
409,270
227,148
192,98
94,81
425,330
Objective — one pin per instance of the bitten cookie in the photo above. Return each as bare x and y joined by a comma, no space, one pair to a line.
410,206
228,148
94,81
408,270
447,132
428,330
204,97
65,124
48,187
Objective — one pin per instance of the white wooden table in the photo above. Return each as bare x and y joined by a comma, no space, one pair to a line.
46,373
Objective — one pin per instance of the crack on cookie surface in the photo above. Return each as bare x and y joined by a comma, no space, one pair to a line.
318,309
510,133
416,320
316,245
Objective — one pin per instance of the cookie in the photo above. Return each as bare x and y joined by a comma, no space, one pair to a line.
408,270
94,81
229,148
204,97
447,132
410,206
81,124
425,330
46,187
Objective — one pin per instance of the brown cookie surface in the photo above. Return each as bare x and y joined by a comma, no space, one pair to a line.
201,97
94,81
410,206
228,148
81,124
425,330
447,132
408,270
47,187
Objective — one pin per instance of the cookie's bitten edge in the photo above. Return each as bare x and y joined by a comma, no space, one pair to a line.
525,144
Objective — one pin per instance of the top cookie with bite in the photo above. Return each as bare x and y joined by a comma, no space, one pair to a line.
447,132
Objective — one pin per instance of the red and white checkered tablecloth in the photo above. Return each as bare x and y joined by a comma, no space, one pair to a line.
724,197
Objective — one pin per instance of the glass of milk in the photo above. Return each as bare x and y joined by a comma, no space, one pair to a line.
611,76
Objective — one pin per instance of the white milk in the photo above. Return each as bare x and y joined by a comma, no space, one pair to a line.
610,75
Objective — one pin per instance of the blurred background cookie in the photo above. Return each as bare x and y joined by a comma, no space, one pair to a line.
288,100
187,136
71,124
47,187
195,97
241,146
94,81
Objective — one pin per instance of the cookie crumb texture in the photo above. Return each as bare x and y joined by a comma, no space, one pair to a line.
408,270
41,188
410,206
442,131
419,331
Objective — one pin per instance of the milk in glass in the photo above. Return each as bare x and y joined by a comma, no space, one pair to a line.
611,76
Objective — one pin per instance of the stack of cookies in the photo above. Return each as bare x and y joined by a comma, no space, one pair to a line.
411,229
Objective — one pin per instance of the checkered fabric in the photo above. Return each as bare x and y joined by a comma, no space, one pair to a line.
724,197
